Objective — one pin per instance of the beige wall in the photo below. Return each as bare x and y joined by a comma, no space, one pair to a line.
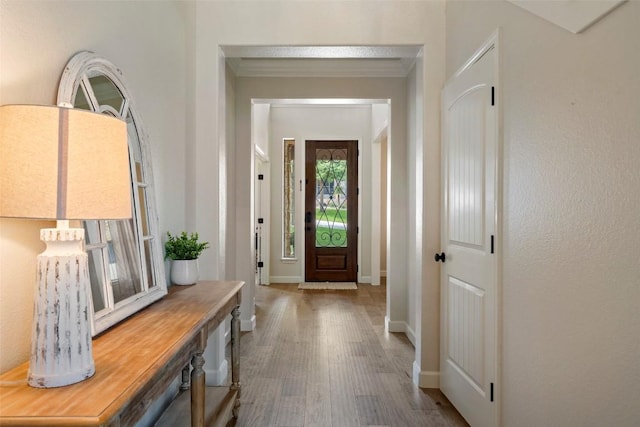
571,293
147,41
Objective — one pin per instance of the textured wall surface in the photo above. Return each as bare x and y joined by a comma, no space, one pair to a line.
571,237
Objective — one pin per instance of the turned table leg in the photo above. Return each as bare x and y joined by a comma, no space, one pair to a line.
185,378
235,357
198,381
197,390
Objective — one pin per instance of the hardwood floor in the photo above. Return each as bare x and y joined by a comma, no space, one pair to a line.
322,358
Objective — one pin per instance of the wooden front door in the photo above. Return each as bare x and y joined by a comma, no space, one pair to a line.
331,211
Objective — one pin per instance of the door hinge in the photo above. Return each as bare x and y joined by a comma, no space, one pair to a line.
492,244
260,177
357,230
493,95
357,268
492,392
358,191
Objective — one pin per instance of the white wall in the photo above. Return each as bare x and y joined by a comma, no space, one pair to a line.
323,123
571,288
147,41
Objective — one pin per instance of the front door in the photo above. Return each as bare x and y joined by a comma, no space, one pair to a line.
331,211
469,270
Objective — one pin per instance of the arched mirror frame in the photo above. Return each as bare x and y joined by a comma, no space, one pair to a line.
151,285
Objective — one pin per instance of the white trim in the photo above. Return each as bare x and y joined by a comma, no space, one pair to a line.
364,279
425,379
216,377
247,325
393,325
400,326
261,154
332,102
410,333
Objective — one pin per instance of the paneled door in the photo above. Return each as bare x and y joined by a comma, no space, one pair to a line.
469,262
331,211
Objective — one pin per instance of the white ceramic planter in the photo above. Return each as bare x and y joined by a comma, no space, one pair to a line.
184,272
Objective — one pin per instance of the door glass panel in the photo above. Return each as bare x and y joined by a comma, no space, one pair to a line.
289,198
331,198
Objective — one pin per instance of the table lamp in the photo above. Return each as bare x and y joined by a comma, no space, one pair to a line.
63,164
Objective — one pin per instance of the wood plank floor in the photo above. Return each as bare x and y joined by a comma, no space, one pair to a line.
322,358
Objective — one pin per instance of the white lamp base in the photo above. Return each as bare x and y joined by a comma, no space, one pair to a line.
61,349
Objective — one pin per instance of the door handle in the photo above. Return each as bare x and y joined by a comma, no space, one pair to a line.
440,257
307,217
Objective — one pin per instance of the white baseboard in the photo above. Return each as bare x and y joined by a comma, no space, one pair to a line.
285,279
216,377
429,379
400,326
425,379
394,325
410,334
364,279
247,325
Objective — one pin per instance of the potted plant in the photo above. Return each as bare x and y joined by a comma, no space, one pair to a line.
183,250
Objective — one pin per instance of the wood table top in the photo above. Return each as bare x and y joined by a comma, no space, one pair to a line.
127,357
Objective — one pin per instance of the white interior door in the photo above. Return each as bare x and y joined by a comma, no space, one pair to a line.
469,271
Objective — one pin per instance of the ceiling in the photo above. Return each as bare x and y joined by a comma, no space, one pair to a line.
321,61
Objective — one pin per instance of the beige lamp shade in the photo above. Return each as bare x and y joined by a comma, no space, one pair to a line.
63,163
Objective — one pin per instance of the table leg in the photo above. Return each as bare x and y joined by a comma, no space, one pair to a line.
235,357
197,390
185,378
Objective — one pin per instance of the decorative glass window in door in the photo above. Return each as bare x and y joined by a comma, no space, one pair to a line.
289,199
126,266
331,198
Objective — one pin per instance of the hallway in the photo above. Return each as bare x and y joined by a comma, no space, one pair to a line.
322,358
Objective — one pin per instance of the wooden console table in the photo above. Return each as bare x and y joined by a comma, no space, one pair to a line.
136,360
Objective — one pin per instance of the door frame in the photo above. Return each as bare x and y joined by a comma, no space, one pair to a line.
493,42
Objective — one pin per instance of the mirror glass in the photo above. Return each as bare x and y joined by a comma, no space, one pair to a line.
126,265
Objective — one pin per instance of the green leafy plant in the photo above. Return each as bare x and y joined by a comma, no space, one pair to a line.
184,247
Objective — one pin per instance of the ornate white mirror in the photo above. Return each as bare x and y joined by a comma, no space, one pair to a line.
126,265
